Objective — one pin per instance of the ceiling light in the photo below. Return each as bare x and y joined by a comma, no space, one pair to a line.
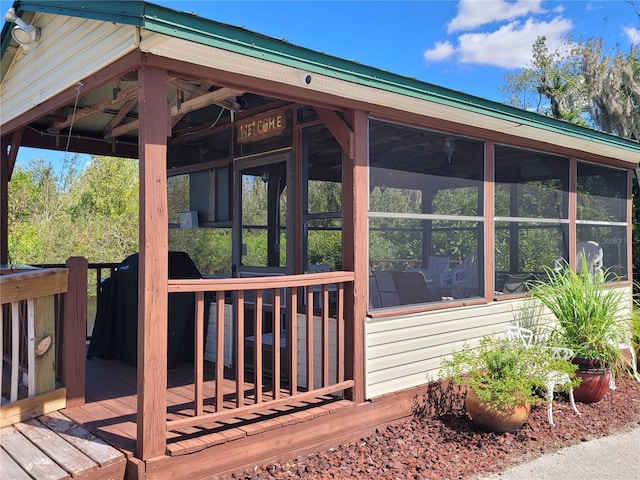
22,33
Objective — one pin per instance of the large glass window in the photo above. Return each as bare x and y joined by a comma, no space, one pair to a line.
425,216
602,220
531,215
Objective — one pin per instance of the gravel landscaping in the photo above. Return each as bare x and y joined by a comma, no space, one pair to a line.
440,442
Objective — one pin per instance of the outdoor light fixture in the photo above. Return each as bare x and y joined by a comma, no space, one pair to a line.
22,33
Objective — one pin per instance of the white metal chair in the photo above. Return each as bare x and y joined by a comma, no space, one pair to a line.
623,341
461,280
515,333
592,254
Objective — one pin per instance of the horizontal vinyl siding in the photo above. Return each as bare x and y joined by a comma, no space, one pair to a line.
403,352
69,50
406,351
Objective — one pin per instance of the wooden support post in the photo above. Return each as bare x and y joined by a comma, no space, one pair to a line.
4,206
355,241
74,331
154,128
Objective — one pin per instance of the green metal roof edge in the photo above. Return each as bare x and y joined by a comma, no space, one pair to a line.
208,32
127,12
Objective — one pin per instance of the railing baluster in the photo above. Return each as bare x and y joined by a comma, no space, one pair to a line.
325,336
276,327
15,349
31,347
292,308
220,320
257,346
340,333
240,348
309,322
199,354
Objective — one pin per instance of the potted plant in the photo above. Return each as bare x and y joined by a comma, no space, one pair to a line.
503,380
587,319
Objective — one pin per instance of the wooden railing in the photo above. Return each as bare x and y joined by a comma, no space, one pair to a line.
28,341
313,305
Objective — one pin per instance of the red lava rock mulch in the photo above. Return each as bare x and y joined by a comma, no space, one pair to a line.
447,446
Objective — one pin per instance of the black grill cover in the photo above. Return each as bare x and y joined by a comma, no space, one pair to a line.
115,332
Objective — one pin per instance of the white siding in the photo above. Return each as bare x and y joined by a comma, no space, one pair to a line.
405,351
69,50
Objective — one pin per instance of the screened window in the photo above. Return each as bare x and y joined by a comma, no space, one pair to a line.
425,216
531,215
602,220
322,219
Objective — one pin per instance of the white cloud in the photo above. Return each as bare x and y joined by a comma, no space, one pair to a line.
474,13
508,47
633,34
441,51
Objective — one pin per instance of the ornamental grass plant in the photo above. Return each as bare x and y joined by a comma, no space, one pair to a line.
588,313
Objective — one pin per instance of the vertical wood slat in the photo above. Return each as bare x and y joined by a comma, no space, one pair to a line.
239,348
325,336
293,341
44,326
220,351
275,360
31,348
340,333
257,346
199,354
309,321
15,349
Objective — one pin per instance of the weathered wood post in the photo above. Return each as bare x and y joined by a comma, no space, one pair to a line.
74,331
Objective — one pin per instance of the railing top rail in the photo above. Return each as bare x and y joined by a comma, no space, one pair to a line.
254,283
33,284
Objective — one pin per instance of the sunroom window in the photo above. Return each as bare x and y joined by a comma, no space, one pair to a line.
601,229
425,216
531,209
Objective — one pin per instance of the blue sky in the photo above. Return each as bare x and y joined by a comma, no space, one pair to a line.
466,45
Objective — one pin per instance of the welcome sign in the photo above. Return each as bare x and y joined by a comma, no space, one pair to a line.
259,127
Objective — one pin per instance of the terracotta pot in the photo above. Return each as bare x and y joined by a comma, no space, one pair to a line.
595,380
490,418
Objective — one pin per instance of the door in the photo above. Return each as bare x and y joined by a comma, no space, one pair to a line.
261,211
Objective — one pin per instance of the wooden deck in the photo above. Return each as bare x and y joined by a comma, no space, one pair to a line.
53,447
109,417
111,402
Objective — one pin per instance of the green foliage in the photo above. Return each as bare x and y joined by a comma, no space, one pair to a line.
93,213
587,312
504,373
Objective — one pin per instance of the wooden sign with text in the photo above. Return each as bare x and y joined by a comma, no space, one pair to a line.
262,126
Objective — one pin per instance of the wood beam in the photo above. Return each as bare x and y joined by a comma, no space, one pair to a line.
339,129
355,241
189,106
155,128
96,108
118,117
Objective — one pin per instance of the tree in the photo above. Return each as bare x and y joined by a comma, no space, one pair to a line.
583,85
